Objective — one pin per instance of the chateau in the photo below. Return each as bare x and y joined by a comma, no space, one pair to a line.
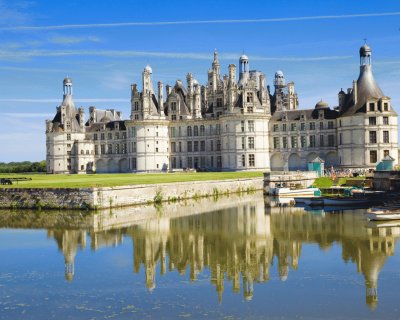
228,124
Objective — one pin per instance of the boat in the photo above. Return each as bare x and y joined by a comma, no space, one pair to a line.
345,202
383,214
287,192
310,201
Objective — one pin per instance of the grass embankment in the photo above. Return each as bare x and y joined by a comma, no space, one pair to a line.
119,179
326,182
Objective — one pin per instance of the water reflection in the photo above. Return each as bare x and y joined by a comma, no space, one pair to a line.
237,242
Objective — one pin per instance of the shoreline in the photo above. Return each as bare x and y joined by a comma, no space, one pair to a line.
122,196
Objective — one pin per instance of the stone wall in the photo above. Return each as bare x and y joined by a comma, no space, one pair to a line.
142,194
62,198
109,197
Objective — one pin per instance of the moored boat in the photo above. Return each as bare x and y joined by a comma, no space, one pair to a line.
375,216
287,192
345,202
310,201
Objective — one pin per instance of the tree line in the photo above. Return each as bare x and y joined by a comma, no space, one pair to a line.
23,167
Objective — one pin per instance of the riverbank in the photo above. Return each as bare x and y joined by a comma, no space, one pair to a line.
121,196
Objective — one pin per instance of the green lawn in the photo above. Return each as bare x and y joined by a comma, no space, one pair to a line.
119,179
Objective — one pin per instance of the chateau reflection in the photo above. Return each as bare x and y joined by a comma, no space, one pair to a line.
236,244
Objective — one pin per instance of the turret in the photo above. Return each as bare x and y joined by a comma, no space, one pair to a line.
82,118
160,97
232,74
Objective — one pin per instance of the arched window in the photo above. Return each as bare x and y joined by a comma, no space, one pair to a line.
189,131
196,131
202,130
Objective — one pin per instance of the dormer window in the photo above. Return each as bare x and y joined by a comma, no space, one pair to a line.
173,106
371,106
250,97
68,125
302,117
136,105
385,106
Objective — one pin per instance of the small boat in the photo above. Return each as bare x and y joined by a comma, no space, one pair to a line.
386,216
310,201
345,202
383,214
287,192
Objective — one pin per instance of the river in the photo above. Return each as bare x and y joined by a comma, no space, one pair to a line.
235,257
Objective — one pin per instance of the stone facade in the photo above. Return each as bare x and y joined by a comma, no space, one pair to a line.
225,125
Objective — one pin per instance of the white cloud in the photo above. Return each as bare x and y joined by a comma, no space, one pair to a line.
25,115
169,55
73,40
186,22
49,100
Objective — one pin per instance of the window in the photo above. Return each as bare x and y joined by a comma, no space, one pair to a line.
133,146
196,131
250,97
242,126
173,131
276,128
276,143
96,149
312,125
321,140
219,162
124,149
312,141
372,137
189,131
156,149
124,135
250,109
202,146
372,107
284,127
251,142
372,121
218,128
189,146
173,117
173,106
243,143
173,165
196,146
373,156
136,117
202,130
117,148
136,106
109,136
251,125
173,147
190,162
243,160
330,124
385,106
212,145
386,120
321,126
331,140
385,136
134,163
103,149
68,136
293,127
285,144
340,138
95,136
180,146
117,135
133,132
219,102
385,153
218,145
303,141
109,149
252,161
68,125
293,141
302,126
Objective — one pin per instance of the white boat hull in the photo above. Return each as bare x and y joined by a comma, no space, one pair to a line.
286,192
383,216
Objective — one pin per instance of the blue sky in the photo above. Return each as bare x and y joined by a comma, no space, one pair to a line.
104,45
